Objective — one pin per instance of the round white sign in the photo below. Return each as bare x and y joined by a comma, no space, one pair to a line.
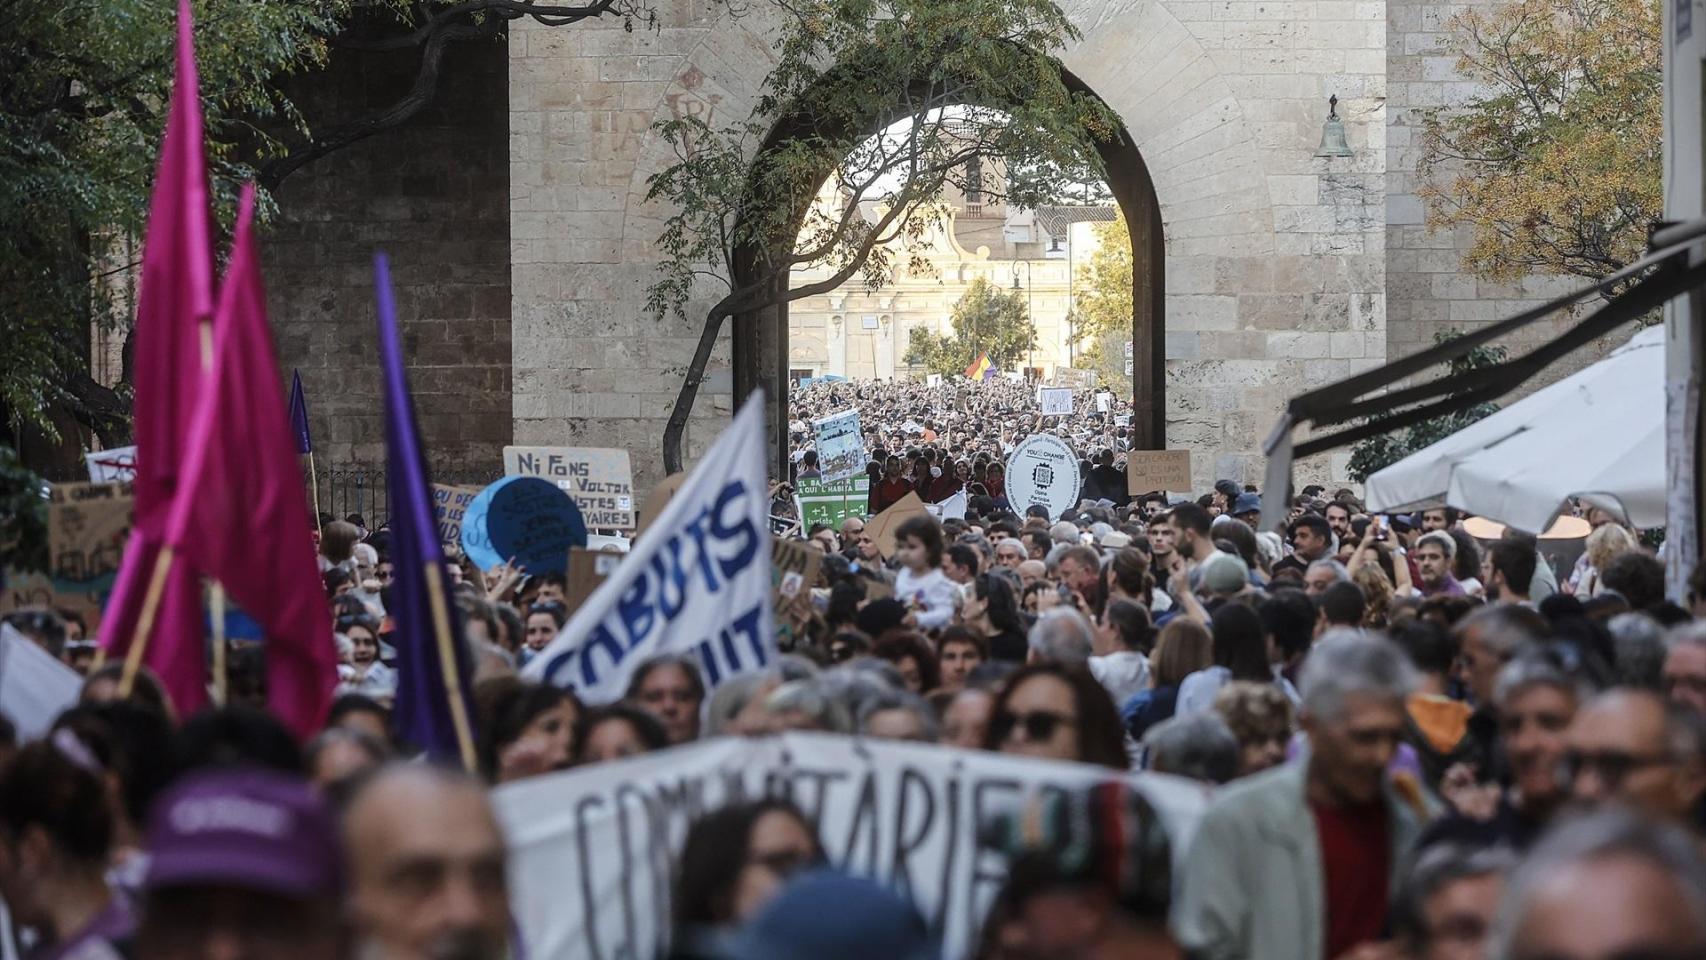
1043,470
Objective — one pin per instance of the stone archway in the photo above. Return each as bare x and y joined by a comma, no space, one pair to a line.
1273,259
760,343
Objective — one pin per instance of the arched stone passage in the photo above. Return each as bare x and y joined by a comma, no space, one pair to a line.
1273,258
760,342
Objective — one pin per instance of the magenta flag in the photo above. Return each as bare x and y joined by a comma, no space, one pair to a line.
241,514
174,305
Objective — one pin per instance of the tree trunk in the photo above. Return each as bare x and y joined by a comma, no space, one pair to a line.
690,382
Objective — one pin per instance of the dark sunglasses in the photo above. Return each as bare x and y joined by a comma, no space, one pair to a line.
1611,766
1038,725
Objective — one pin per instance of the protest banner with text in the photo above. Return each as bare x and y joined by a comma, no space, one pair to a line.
448,506
592,850
600,480
832,502
87,525
697,583
1148,471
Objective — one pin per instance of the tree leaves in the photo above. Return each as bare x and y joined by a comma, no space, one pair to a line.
1555,163
985,320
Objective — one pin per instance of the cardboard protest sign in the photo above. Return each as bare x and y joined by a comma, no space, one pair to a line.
881,528
840,445
831,503
87,525
1043,470
1151,470
1055,401
600,480
117,465
449,504
592,850
587,570
657,500
26,591
35,688
795,565
698,583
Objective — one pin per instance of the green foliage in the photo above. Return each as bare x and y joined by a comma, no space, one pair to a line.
1554,160
1104,306
986,319
947,88
23,515
1370,456
82,110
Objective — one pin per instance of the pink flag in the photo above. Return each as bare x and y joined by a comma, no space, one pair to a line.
173,306
241,514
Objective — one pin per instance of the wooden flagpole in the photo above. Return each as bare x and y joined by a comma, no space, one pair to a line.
447,661
217,603
145,620
314,486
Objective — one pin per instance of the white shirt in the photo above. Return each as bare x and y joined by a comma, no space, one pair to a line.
932,595
1123,674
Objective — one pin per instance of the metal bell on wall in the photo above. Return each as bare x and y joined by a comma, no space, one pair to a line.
1333,143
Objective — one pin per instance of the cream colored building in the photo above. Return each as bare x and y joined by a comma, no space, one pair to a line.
862,334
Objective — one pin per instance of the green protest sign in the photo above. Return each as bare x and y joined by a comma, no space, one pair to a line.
831,503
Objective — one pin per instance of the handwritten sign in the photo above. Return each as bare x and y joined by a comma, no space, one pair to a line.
831,503
601,480
1055,401
117,465
1151,470
795,564
536,523
840,445
87,524
449,505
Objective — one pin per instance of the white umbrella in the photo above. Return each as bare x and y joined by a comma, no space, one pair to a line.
1597,434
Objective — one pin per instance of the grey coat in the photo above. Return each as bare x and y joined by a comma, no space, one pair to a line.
1253,886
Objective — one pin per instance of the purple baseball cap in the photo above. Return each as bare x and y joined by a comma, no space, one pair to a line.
250,829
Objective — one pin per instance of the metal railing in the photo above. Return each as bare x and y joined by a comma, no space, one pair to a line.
359,488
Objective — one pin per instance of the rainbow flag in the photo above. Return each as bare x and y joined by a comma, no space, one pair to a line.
982,369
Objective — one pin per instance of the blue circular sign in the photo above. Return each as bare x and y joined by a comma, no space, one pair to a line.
535,522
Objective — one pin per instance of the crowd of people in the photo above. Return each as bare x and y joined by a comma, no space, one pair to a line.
1410,742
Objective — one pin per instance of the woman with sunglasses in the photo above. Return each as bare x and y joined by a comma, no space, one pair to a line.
734,862
991,611
1056,712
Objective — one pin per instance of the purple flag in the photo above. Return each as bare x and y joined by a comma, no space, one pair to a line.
434,666
299,415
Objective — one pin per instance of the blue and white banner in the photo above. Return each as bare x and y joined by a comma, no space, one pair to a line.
698,582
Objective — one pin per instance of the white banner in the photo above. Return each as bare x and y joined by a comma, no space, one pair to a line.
117,465
698,582
34,687
592,850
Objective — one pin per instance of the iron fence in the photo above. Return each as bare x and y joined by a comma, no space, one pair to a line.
356,488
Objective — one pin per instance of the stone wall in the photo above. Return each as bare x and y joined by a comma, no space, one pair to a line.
1275,259
434,195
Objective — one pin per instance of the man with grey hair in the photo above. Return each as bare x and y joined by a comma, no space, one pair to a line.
1199,746
1684,671
1612,885
1444,908
1296,862
1639,645
1433,554
897,715
1488,639
1323,573
1639,750
1063,636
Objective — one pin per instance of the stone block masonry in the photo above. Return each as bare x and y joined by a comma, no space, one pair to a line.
434,194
